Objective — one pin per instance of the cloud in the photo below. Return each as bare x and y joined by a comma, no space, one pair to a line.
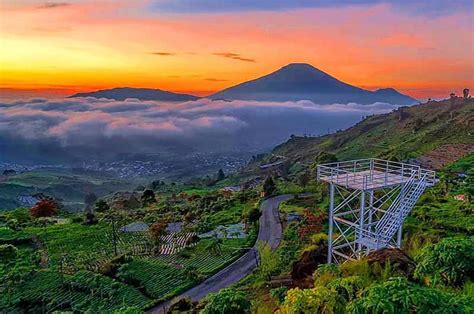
71,130
421,7
162,53
234,56
52,5
212,79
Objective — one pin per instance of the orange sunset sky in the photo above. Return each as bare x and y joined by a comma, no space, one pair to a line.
58,48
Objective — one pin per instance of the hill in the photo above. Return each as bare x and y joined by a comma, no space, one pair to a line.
408,132
300,81
122,93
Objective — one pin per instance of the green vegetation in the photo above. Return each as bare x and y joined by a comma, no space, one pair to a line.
405,133
436,275
227,301
71,262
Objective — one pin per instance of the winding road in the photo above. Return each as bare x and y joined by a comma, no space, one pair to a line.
270,231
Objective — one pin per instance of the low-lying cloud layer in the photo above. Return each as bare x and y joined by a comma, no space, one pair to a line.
90,129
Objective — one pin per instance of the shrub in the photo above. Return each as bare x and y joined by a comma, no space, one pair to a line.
7,252
279,294
398,295
316,300
227,301
451,261
44,208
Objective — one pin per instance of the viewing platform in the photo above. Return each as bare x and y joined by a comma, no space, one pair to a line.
373,173
369,199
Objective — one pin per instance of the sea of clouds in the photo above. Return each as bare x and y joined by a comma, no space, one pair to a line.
88,128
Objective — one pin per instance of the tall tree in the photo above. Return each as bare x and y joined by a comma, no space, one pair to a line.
220,175
148,197
44,208
269,187
156,232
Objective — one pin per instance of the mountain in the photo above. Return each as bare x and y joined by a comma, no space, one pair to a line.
434,130
122,93
301,81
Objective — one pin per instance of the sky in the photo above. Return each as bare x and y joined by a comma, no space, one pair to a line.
56,48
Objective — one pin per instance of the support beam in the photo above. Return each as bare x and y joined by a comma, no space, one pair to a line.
331,222
399,237
361,221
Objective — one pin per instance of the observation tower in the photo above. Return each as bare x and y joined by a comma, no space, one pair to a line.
369,200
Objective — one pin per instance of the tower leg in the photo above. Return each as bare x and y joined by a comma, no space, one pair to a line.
331,213
370,212
360,234
399,237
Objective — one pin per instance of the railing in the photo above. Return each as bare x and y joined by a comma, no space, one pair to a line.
364,172
398,211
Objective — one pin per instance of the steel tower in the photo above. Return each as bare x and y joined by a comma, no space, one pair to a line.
368,201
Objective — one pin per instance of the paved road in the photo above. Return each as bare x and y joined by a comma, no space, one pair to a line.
269,231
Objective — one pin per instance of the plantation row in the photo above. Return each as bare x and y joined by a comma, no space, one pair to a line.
47,291
155,277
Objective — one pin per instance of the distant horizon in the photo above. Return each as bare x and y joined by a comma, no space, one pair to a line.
63,92
55,49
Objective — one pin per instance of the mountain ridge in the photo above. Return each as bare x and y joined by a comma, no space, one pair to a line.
292,82
122,93
302,81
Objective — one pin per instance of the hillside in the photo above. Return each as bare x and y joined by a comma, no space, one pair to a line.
122,93
300,81
408,132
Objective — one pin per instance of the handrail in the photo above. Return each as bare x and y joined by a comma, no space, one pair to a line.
376,168
397,202
419,186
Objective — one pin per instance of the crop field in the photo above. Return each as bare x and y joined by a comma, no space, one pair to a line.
70,269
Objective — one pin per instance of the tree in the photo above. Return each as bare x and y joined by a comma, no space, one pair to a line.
44,208
156,232
269,262
325,157
304,178
311,223
148,197
227,301
252,215
451,261
101,206
220,175
90,219
89,201
215,246
7,252
269,187
465,93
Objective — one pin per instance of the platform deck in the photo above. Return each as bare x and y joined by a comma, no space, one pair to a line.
367,179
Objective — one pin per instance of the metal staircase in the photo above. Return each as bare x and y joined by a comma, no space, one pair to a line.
393,219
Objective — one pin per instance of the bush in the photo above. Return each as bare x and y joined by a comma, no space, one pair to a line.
279,294
44,208
227,301
7,252
398,295
316,300
451,261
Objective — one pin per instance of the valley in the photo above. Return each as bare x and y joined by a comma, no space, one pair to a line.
139,249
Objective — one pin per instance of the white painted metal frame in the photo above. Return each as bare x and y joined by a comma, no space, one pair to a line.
368,201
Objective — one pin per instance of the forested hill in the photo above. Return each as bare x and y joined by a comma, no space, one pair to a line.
408,132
